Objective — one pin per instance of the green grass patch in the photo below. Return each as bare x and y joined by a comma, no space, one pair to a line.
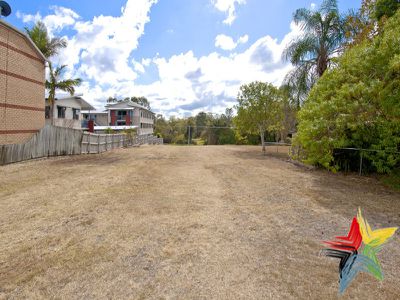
392,180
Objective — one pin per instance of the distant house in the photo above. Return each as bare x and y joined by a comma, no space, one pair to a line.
22,88
129,113
67,111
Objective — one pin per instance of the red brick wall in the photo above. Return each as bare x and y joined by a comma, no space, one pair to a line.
22,90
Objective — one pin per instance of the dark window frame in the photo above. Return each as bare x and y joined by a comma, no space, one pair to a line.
75,113
47,112
61,112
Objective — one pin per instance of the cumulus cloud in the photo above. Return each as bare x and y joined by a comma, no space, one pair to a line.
61,18
227,43
101,48
228,7
188,84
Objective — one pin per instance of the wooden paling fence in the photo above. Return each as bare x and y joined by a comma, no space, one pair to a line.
98,143
57,141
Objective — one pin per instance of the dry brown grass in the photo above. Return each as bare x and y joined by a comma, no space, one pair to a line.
183,223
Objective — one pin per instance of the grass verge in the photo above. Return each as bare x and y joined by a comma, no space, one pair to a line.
392,180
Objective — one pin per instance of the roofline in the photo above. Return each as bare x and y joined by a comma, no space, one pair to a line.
93,112
26,37
128,102
79,98
122,127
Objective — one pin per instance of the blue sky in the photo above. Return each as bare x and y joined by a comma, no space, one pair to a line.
185,56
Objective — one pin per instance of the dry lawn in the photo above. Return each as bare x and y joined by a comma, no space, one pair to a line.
165,222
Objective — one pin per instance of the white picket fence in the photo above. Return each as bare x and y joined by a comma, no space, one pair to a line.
58,141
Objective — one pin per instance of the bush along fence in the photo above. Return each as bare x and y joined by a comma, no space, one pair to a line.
58,141
348,159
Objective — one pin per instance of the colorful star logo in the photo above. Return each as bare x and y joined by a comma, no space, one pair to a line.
357,251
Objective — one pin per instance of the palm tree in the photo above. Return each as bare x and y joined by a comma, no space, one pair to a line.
48,46
54,83
312,53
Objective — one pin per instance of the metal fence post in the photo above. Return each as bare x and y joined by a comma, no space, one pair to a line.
361,161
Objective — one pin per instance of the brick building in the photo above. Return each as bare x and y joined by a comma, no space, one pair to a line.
22,89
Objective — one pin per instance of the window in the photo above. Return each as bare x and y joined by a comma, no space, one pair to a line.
121,118
75,113
121,115
130,117
61,112
47,112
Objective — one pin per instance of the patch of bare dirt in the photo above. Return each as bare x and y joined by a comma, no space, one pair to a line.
165,222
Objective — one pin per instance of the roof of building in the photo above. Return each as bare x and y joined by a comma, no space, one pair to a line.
78,97
128,103
114,127
94,112
27,38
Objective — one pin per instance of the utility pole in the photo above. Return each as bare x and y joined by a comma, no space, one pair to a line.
189,136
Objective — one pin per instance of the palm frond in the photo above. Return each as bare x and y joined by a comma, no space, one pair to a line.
311,54
59,70
329,6
68,85
301,49
55,44
39,35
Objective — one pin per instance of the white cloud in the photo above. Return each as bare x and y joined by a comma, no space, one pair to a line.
243,39
101,47
190,84
227,43
228,7
313,6
146,62
137,66
61,18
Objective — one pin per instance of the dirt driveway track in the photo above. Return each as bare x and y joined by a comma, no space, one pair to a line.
170,222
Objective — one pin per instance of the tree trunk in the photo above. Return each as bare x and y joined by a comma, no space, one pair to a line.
52,114
262,133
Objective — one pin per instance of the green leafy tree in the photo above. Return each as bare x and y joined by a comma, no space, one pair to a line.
48,46
386,8
313,52
201,122
112,100
55,83
357,104
141,101
360,25
259,109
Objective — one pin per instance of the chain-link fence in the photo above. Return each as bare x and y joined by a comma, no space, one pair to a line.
346,159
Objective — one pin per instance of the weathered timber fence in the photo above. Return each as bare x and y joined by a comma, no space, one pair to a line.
58,141
98,143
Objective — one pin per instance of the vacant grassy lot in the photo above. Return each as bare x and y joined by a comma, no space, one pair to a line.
169,222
